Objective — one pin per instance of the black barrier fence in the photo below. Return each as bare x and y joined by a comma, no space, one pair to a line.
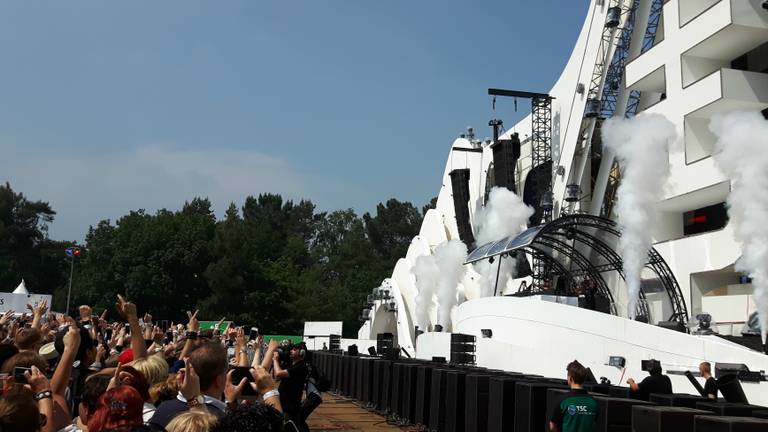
453,397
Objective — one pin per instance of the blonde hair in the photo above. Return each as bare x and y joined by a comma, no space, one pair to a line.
194,420
154,368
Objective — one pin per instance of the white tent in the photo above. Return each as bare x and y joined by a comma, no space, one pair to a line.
21,289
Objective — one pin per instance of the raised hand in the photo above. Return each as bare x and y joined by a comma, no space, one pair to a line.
240,338
263,381
36,380
126,309
232,392
72,338
6,317
218,324
194,324
190,382
41,308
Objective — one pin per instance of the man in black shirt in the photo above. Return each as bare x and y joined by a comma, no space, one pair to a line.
655,383
292,381
710,385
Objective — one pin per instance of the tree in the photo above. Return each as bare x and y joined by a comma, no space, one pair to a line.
25,250
393,228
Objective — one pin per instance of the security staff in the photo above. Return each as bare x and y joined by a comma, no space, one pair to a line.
576,411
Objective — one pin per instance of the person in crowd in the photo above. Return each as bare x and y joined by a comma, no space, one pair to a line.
292,382
119,407
655,382
94,387
194,420
29,339
710,385
575,411
314,395
252,418
19,413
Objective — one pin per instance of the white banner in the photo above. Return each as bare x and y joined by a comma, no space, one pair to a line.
18,302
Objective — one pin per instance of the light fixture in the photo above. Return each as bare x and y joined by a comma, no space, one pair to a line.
613,17
547,201
487,333
572,192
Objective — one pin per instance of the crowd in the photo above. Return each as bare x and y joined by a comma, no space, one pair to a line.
132,375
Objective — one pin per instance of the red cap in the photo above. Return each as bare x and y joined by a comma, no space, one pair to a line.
126,356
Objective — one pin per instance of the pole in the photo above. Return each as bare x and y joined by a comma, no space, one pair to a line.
69,290
498,269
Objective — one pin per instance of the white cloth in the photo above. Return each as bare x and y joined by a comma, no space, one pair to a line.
148,411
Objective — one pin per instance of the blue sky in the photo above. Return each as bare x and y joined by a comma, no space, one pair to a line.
111,106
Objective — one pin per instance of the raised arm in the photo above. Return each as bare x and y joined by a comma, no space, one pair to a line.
37,313
128,311
63,371
267,362
192,327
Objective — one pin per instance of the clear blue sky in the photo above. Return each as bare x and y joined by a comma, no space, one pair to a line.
112,106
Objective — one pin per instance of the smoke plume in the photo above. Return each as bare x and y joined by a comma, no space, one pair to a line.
449,258
642,149
742,155
504,214
439,275
427,273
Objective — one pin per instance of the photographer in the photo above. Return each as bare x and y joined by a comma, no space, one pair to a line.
292,381
656,382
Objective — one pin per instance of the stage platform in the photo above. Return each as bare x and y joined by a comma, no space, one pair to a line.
341,414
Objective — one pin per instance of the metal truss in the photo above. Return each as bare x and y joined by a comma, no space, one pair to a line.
580,245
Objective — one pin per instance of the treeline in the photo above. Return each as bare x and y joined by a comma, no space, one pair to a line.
271,263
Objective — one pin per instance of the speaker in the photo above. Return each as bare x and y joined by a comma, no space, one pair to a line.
454,403
381,380
476,403
501,402
730,424
676,400
358,391
409,392
726,408
531,405
352,350
367,381
371,351
505,156
396,395
620,392
616,413
437,397
423,389
460,187
462,348
648,418
334,343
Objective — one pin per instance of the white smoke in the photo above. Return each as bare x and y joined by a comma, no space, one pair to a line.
439,275
505,214
642,149
742,155
449,258
427,274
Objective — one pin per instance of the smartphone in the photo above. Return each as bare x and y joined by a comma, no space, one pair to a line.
18,375
240,372
253,334
108,333
168,337
164,325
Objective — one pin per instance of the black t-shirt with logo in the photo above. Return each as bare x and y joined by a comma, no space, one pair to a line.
575,411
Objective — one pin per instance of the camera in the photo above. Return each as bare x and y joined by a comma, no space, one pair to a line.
650,365
765,4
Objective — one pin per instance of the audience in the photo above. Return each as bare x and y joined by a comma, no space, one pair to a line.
85,374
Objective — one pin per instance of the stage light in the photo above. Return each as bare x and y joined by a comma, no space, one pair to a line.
572,192
438,328
487,333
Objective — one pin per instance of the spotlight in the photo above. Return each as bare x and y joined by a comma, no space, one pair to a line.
705,323
438,328
487,333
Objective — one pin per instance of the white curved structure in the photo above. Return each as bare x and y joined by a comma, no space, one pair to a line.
705,57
